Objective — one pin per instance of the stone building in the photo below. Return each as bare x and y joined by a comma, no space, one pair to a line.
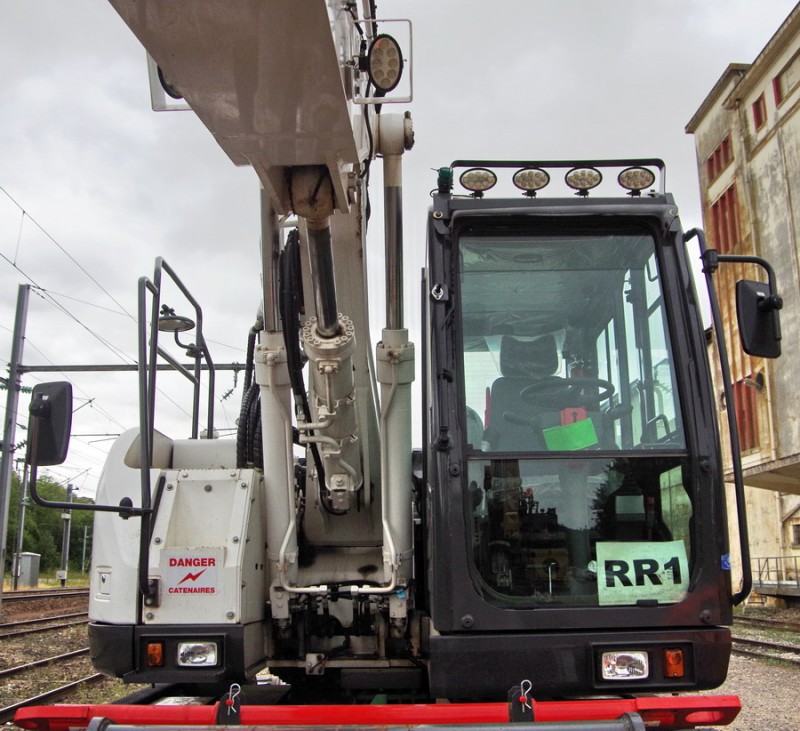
747,138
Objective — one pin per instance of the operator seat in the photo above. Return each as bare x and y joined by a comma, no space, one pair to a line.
522,363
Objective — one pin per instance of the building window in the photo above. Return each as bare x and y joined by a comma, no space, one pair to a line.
744,399
778,90
725,221
719,159
795,534
785,82
759,112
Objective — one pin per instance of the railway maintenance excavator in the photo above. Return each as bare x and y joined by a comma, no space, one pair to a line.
557,551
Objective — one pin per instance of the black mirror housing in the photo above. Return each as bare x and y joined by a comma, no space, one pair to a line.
51,408
49,429
757,314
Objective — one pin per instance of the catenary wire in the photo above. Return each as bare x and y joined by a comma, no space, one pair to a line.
65,252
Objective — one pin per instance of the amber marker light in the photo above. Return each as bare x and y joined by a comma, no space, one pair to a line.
155,654
673,663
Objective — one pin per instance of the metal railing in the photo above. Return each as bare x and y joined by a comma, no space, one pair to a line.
147,360
149,352
777,571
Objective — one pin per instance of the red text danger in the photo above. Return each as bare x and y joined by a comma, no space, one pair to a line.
193,562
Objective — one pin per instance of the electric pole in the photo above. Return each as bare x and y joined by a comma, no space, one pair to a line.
10,425
66,516
18,544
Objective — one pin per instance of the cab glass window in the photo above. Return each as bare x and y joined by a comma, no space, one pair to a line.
577,466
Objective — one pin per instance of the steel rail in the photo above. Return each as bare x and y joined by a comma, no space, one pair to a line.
772,624
34,630
45,661
41,620
763,649
44,594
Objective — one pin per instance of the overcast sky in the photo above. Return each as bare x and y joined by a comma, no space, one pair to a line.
112,184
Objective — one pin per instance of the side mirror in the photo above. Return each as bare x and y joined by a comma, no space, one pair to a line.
51,410
759,322
49,430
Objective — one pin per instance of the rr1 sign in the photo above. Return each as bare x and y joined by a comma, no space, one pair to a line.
629,572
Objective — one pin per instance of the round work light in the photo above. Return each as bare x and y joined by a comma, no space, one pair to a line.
530,180
636,179
384,63
583,180
478,180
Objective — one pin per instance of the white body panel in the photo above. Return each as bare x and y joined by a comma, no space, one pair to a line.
115,551
215,537
207,548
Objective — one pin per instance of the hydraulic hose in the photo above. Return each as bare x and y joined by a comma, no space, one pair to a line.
291,302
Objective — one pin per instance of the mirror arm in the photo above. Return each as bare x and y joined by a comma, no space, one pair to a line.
773,301
711,259
41,409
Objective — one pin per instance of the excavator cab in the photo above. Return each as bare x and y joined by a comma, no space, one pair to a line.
588,521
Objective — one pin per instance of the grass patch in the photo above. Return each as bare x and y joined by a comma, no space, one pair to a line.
48,580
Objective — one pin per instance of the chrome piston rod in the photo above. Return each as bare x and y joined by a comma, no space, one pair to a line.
321,265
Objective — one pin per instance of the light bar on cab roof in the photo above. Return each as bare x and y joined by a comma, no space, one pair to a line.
478,180
636,179
530,180
582,180
530,176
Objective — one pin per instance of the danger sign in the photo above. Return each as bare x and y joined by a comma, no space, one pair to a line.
192,571
630,572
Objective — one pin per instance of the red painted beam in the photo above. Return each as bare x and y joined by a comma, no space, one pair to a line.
669,712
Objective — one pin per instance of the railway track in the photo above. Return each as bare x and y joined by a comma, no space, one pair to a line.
50,664
29,612
767,639
769,624
45,672
42,624
9,672
28,594
767,650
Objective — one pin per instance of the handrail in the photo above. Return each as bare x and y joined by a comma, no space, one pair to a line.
147,368
733,430
778,571
148,358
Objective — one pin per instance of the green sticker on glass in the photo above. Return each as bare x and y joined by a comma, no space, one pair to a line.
579,435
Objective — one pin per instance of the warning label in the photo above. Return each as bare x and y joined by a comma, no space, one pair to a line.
191,571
